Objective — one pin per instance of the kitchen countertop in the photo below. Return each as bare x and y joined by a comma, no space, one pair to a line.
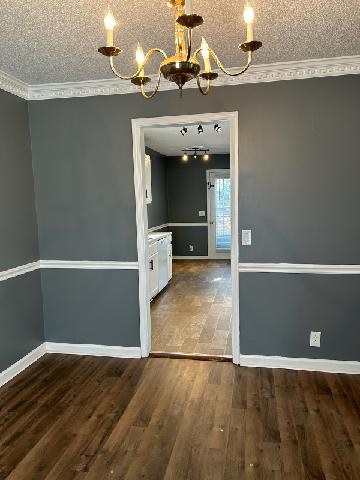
155,236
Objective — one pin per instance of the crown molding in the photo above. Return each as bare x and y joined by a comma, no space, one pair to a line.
13,85
272,72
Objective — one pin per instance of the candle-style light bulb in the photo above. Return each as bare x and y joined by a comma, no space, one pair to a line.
109,22
140,57
249,20
188,7
206,55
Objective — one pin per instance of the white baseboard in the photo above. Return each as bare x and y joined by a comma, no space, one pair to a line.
310,364
21,364
95,350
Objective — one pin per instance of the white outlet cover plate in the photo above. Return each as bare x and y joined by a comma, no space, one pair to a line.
245,237
202,213
315,339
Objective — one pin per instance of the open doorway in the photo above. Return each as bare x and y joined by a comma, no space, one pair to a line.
191,302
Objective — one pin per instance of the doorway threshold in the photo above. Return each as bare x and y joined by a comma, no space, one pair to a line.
192,356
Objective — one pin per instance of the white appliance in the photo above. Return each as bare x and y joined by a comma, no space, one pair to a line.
160,261
163,262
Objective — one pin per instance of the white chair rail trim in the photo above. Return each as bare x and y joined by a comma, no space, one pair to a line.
89,265
19,270
77,264
273,72
299,268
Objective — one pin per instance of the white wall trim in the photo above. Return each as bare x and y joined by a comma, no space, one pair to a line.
94,350
299,268
22,364
138,126
89,265
14,85
19,270
72,264
271,72
322,67
311,364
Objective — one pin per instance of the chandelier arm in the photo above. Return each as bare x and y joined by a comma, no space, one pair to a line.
202,90
221,66
140,68
189,44
154,92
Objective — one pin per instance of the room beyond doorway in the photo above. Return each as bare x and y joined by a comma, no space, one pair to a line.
188,199
144,234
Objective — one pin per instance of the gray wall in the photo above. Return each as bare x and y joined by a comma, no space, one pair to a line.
186,195
91,306
278,311
179,191
21,320
157,209
187,189
298,166
21,317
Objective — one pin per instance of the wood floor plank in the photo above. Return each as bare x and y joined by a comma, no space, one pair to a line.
193,313
87,418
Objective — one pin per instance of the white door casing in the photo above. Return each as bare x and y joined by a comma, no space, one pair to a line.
138,126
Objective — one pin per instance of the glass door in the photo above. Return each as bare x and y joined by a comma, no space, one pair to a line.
219,213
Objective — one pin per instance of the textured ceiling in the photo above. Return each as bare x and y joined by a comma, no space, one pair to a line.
170,142
52,41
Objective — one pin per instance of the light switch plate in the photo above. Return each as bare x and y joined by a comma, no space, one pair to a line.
202,213
245,237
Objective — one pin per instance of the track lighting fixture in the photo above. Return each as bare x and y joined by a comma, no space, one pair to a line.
200,129
194,151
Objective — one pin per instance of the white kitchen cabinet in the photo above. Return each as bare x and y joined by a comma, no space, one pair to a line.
160,262
154,275
169,261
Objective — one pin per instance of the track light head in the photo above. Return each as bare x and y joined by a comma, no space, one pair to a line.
200,129
217,128
183,131
206,157
185,157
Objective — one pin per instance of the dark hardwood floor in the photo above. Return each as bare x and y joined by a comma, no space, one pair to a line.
89,418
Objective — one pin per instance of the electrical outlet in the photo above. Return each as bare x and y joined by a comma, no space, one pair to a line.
191,248
315,339
202,213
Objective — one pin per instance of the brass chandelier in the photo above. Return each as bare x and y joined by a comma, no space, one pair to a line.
184,65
